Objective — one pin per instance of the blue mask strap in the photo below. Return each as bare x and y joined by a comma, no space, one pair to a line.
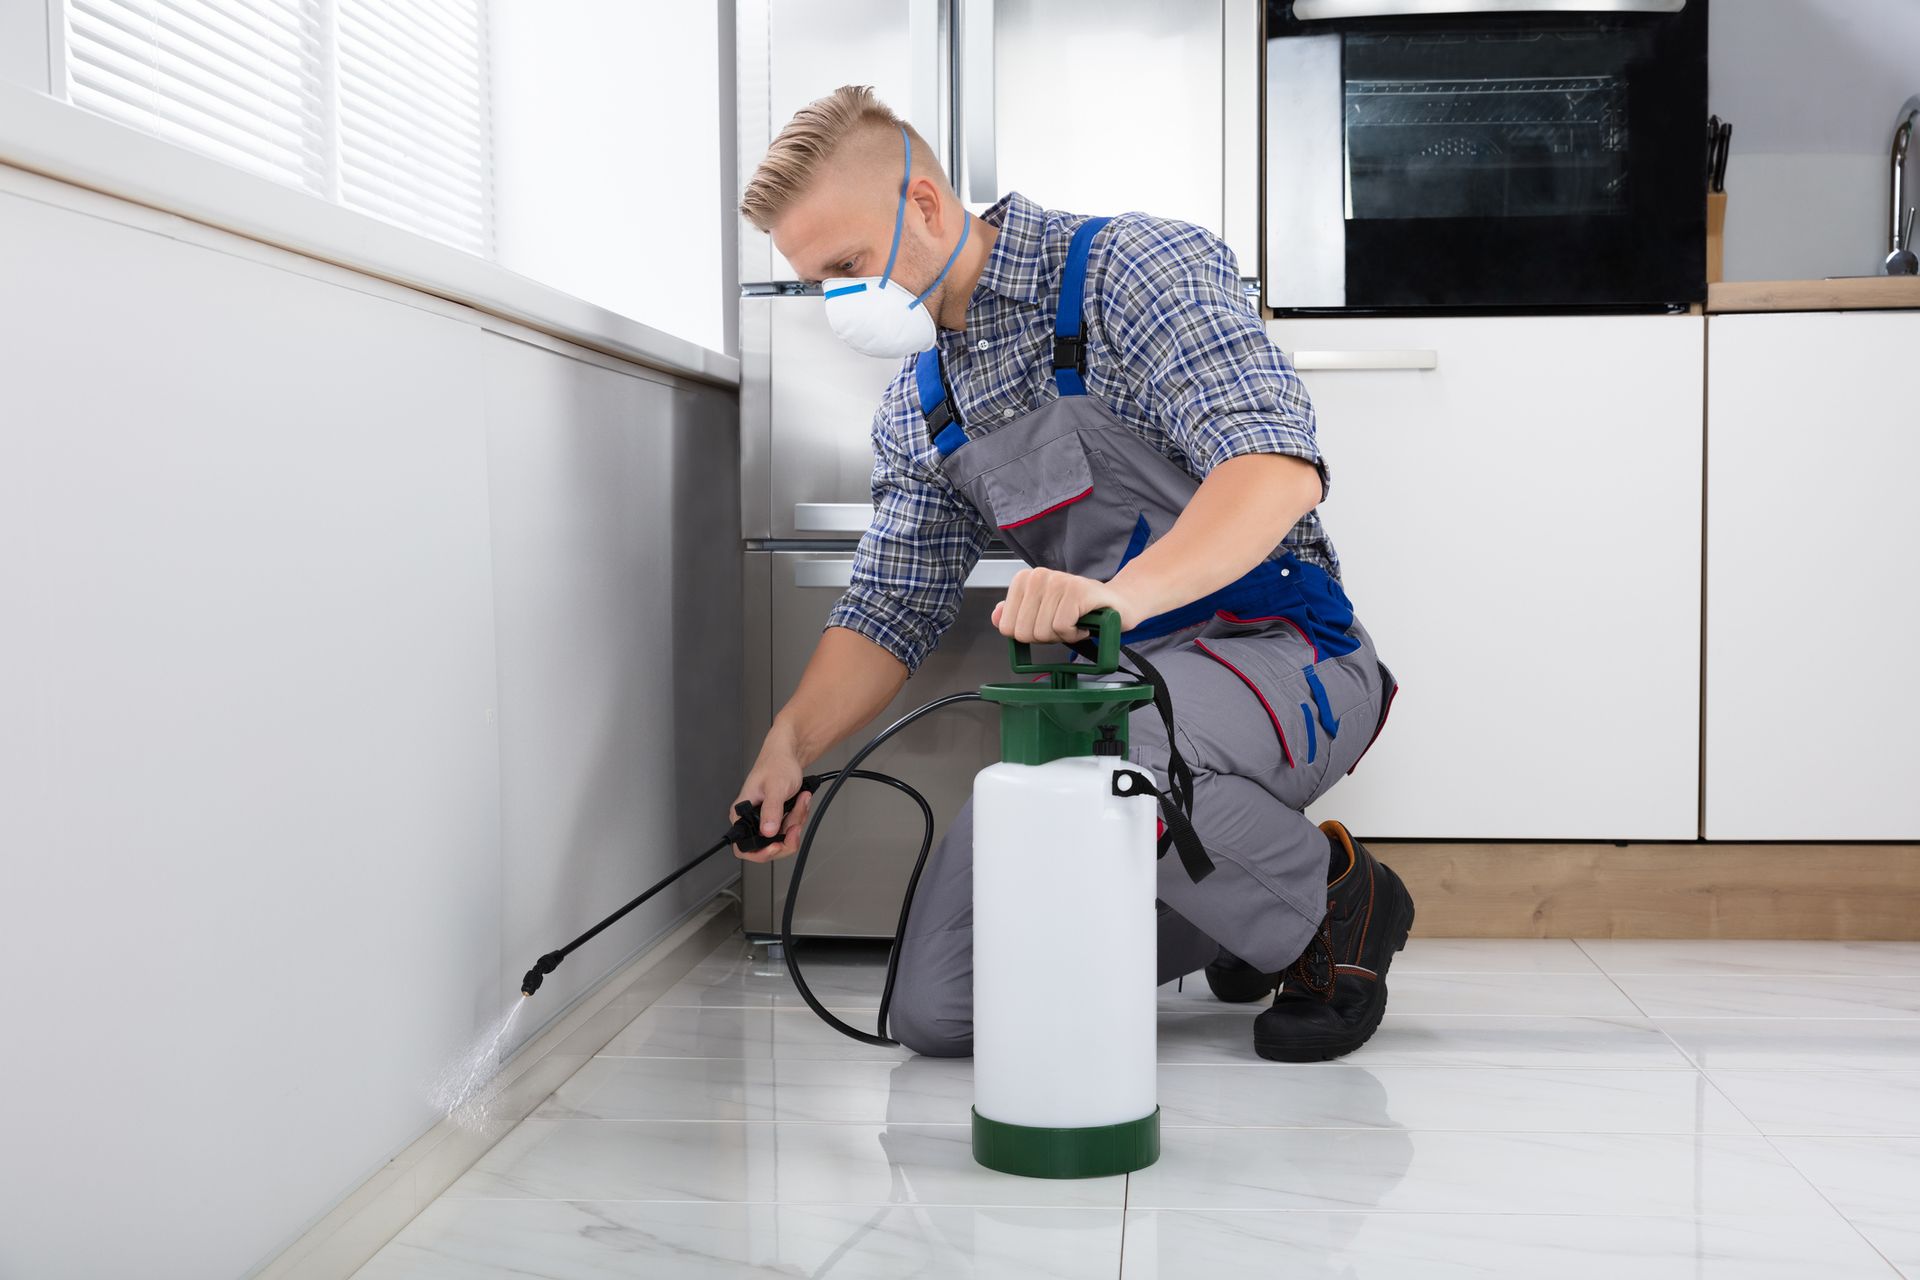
966,225
900,211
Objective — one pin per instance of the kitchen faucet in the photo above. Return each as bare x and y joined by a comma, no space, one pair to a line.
1900,256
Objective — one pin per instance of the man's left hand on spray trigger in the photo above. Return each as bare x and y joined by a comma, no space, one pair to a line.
1042,606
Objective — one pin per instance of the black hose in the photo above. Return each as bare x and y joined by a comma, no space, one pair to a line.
746,833
852,770
906,901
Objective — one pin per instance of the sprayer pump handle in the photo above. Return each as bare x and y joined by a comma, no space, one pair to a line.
1103,624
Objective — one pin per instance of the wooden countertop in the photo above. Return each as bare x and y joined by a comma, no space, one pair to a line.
1861,293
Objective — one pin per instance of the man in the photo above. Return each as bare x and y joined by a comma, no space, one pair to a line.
1100,394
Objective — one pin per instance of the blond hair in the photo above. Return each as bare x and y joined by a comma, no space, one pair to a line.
816,131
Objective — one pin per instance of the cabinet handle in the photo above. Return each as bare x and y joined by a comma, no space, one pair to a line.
832,517
976,101
986,575
1393,358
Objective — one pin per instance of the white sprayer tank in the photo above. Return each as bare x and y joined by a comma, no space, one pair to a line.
1064,937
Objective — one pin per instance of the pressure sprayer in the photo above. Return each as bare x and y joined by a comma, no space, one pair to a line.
1063,871
1064,855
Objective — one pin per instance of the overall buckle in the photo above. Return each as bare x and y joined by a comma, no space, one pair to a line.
940,415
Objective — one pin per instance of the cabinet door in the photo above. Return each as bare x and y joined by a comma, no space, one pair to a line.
1519,527
1812,523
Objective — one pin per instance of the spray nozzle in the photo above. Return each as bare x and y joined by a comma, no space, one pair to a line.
536,975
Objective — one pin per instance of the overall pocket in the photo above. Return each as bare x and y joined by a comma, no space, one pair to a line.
1250,662
1058,508
1318,706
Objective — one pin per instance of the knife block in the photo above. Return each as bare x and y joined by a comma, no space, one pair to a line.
1716,235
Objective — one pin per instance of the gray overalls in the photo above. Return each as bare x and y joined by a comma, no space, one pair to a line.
1276,688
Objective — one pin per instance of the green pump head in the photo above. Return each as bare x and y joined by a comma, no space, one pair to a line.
1042,721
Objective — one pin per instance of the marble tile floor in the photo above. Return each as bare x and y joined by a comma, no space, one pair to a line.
1573,1108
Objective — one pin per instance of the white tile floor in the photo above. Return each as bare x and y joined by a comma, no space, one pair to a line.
1621,1108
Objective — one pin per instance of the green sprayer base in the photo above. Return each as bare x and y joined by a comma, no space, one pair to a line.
1098,1152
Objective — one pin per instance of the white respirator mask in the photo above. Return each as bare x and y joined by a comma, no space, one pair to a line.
876,315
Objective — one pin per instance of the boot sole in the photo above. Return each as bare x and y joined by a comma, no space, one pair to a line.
1311,1048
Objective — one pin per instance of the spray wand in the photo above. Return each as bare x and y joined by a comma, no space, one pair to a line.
745,832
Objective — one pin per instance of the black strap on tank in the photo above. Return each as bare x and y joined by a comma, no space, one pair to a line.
1179,832
1176,801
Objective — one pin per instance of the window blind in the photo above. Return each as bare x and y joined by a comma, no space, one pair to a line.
380,105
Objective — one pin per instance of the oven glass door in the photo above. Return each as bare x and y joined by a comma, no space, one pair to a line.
1504,159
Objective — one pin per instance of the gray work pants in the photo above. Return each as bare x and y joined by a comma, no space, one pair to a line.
1250,726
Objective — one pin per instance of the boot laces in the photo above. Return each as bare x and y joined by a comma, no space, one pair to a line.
1317,978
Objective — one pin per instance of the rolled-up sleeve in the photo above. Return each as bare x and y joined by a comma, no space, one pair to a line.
1173,309
911,563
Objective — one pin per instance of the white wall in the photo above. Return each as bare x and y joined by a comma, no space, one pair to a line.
609,149
23,43
342,626
1811,87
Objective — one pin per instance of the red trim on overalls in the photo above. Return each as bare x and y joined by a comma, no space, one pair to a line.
1378,729
1050,510
1278,732
1234,617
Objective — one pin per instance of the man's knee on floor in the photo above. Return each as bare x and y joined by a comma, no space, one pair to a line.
928,1036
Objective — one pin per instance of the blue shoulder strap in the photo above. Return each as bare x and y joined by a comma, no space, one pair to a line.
1069,345
943,424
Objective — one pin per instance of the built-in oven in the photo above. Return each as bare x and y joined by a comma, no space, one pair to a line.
1472,154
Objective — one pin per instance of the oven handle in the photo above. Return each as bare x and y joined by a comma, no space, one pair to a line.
1385,358
987,574
1335,10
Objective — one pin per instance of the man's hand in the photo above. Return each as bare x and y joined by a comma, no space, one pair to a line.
1042,606
775,777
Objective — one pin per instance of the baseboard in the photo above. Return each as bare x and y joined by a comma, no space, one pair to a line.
1699,889
340,1243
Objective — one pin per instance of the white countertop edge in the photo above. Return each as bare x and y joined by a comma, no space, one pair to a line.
57,140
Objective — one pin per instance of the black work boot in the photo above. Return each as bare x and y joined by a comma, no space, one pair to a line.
1237,982
1334,994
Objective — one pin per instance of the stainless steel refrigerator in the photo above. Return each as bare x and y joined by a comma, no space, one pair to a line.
1092,107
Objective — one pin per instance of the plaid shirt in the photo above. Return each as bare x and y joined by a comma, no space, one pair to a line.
1174,349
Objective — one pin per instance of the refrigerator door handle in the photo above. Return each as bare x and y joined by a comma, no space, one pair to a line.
994,575
976,101
832,517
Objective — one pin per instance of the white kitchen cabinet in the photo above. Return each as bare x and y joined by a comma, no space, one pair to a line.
1516,503
1812,526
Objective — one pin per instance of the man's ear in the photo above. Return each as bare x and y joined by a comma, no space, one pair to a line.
924,194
